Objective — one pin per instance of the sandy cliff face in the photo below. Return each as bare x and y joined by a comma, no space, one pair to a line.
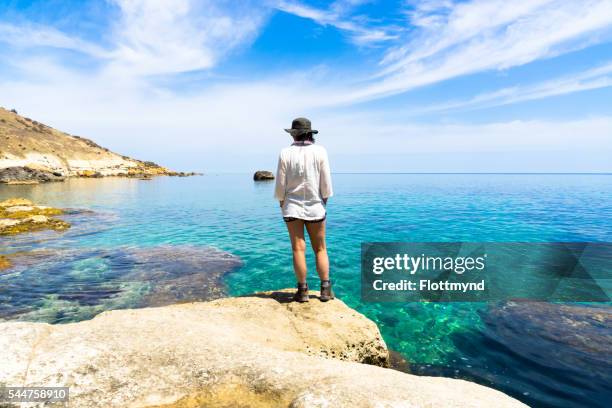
27,143
255,351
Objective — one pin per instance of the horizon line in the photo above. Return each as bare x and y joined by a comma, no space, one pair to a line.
486,172
445,173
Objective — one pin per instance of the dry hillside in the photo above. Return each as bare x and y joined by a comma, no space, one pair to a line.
27,143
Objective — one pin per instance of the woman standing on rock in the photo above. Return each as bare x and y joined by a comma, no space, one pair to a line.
303,185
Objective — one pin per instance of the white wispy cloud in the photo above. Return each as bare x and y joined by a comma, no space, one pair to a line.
30,35
455,39
166,36
339,15
156,36
600,77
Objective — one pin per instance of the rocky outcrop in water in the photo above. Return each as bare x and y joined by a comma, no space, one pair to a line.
255,351
18,215
26,175
185,174
262,175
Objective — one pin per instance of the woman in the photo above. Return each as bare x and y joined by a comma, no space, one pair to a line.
303,185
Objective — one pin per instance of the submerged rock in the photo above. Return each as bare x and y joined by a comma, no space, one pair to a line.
178,273
249,351
77,284
550,339
4,262
261,175
584,328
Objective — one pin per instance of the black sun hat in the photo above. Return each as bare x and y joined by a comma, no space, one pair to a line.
300,126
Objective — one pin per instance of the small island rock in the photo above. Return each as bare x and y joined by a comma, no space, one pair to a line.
263,175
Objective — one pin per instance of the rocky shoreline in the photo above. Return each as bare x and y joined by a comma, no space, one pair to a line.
26,175
260,350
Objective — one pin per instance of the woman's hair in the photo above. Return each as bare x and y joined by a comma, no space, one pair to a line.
304,137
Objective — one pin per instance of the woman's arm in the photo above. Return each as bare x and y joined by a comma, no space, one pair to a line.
325,183
281,177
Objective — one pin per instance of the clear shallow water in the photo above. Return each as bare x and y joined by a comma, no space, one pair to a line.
484,343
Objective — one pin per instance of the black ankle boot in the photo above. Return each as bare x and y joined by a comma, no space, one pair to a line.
326,291
301,295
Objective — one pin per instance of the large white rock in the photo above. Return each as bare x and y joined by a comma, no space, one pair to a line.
18,208
8,222
251,351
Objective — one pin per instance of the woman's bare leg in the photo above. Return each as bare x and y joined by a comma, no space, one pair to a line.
298,246
316,231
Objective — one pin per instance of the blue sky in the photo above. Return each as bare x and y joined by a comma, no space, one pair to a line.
401,86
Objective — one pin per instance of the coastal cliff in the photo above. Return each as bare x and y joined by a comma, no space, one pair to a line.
32,152
256,351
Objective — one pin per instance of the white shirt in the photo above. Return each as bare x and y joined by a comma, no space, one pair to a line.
303,180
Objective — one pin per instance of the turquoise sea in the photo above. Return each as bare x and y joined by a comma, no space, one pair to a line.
149,242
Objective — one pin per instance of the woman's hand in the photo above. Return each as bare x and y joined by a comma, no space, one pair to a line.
325,201
281,203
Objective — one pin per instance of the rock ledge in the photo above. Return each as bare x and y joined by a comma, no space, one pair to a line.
254,351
